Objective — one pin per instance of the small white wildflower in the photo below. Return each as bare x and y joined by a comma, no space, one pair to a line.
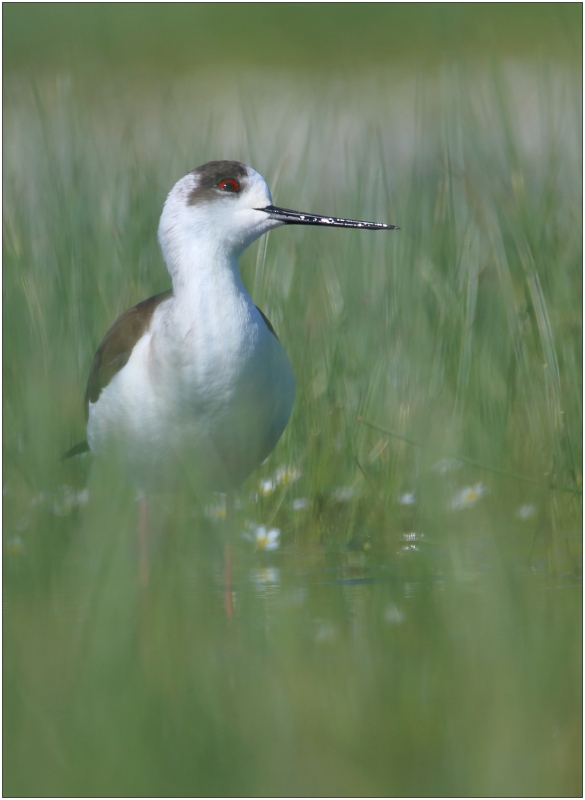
526,511
300,503
468,496
266,540
267,486
284,475
407,499
445,465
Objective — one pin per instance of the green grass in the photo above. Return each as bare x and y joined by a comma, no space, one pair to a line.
457,669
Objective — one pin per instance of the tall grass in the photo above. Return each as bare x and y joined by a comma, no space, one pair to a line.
462,331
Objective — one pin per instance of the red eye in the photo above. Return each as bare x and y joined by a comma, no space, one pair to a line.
229,185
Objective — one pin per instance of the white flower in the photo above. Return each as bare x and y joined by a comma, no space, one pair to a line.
267,486
266,540
407,499
468,496
526,511
300,503
284,475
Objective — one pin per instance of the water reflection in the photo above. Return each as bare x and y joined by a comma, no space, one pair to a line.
266,580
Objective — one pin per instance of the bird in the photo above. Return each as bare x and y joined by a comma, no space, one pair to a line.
192,387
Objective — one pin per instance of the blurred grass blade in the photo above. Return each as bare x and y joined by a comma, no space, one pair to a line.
466,460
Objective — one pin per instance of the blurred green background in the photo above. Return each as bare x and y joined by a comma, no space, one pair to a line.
330,36
412,626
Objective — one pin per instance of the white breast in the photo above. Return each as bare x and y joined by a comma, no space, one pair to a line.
203,399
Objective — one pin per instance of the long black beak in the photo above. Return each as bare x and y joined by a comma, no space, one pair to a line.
297,218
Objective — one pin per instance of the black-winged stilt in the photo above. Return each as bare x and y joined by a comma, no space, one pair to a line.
192,387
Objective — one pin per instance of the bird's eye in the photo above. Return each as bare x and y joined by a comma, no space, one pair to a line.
229,185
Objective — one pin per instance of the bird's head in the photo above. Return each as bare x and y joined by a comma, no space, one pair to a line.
228,204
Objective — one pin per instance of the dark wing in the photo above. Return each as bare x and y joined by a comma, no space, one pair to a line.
268,323
116,348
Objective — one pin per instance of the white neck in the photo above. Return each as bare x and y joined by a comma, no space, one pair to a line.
199,265
211,311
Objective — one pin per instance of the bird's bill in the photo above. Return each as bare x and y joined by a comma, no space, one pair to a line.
299,218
